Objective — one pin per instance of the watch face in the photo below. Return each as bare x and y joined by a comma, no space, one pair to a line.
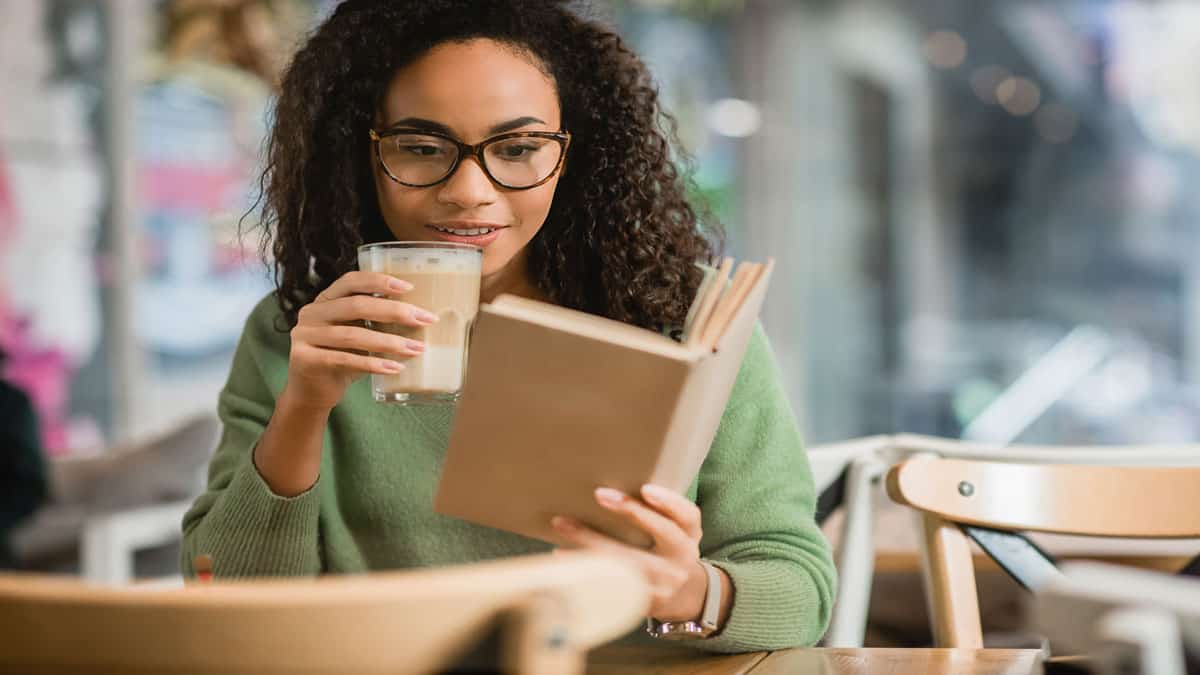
678,630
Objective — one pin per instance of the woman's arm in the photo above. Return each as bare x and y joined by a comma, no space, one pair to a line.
756,494
753,519
240,522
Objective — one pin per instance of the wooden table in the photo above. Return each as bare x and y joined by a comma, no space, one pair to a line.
684,661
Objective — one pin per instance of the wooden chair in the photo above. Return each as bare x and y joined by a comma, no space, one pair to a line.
1088,500
851,472
109,506
543,611
907,445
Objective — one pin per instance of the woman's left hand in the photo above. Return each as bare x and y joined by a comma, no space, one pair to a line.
672,565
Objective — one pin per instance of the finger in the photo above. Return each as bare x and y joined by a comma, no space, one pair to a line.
359,307
359,339
334,359
669,536
582,536
661,572
674,506
354,283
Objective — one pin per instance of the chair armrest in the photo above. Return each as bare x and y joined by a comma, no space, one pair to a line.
109,541
828,460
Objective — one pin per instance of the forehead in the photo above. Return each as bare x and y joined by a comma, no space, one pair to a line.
471,87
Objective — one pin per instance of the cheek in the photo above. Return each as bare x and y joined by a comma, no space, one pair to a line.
529,210
400,205
394,198
532,206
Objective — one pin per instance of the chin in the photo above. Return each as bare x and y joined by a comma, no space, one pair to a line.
493,264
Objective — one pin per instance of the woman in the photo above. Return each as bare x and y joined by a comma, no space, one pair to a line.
312,476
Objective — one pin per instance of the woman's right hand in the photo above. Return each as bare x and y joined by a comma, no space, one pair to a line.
330,348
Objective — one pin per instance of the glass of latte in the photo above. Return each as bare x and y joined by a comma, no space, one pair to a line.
445,279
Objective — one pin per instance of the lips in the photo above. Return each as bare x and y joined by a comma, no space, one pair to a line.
465,231
475,233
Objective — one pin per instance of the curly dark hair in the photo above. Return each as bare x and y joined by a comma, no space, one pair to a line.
620,240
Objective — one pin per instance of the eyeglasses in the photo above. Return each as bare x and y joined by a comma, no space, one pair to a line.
520,160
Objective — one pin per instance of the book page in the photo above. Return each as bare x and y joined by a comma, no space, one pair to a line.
709,275
590,325
707,301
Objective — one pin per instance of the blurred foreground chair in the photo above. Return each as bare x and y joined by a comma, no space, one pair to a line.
541,614
1124,620
992,499
848,475
109,506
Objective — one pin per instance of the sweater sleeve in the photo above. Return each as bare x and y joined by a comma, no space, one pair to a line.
757,500
247,529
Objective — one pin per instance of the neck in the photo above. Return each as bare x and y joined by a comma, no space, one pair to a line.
513,279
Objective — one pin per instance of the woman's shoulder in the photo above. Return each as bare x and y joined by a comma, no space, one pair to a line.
758,377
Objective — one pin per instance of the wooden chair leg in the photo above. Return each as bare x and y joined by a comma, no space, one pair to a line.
950,591
537,639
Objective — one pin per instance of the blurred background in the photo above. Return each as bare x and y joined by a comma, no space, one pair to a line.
983,214
984,211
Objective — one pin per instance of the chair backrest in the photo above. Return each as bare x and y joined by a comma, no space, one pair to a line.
829,460
167,467
1103,501
397,622
906,445
846,473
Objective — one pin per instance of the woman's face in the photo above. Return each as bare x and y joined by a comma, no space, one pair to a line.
470,91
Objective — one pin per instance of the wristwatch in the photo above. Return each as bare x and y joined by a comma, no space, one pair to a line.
693,630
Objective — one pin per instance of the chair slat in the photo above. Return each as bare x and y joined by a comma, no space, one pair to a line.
1102,501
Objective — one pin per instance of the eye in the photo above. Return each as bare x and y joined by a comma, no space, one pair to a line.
517,151
420,150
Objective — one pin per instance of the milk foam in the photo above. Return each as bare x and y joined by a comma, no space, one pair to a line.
400,261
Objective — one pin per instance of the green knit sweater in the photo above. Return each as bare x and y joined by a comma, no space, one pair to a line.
371,508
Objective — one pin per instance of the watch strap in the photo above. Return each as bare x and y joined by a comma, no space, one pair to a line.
712,597
710,615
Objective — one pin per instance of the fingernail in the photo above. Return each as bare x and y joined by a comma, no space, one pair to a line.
609,496
400,285
655,493
426,317
563,524
414,346
393,366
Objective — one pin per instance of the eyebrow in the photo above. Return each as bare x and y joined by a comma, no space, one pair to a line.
430,125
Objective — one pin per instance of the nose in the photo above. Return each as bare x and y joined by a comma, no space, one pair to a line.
469,187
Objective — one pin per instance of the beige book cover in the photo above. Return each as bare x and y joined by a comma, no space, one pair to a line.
558,402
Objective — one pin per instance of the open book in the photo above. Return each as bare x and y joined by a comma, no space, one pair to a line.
558,402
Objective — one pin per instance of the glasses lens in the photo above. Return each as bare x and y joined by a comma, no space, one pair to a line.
523,161
417,159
